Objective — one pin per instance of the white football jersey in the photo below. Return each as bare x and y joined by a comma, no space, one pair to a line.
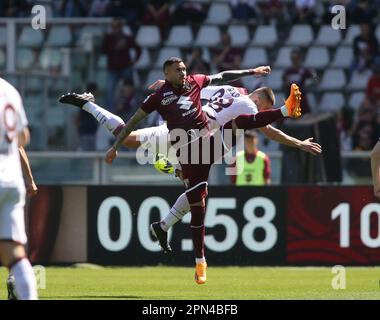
12,121
226,103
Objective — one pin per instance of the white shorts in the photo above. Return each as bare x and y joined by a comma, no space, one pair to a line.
12,223
150,136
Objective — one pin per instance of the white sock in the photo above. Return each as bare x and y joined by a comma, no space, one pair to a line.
200,260
176,213
26,286
107,119
284,111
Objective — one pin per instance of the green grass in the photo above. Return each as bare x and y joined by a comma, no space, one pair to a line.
223,283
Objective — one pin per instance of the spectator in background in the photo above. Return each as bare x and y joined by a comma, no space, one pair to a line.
87,125
196,64
252,165
372,93
362,11
98,8
365,127
228,58
304,12
189,12
134,12
299,75
345,118
243,10
73,8
127,101
363,139
158,13
116,9
117,46
272,12
15,8
366,48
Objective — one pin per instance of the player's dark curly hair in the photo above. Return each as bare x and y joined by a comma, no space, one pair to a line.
170,61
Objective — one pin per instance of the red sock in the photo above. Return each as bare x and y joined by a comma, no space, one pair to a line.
198,230
258,120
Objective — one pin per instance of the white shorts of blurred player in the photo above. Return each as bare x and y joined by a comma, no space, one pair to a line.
12,224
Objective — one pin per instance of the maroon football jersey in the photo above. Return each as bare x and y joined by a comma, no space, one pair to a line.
180,108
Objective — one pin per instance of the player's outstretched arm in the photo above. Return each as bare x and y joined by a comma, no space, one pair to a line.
277,135
224,77
31,187
375,167
232,75
124,133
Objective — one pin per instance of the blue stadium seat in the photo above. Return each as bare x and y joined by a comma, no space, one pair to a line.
332,102
359,80
254,57
148,36
317,57
265,36
239,35
343,57
30,38
219,13
59,36
180,36
25,59
208,36
300,35
333,79
283,57
327,36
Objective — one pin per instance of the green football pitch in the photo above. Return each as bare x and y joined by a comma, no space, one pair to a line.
169,283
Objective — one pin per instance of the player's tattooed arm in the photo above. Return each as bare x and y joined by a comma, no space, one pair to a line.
128,128
124,133
232,75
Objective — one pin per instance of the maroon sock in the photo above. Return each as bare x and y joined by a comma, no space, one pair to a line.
198,230
260,119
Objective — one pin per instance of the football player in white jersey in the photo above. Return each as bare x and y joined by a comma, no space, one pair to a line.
13,133
224,103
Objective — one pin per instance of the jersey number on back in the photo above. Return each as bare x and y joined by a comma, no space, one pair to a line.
218,103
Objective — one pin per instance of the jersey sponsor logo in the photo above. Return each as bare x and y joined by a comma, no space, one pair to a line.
168,93
168,100
185,103
189,112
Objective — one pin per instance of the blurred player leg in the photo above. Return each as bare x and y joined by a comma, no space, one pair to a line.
12,238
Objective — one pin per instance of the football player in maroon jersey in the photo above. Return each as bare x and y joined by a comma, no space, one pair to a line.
178,102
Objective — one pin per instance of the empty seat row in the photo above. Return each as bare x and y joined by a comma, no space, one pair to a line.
264,35
58,36
315,58
182,36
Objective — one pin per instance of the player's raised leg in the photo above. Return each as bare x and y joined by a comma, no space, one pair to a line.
110,121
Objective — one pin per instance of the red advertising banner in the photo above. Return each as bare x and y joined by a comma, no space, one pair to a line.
332,225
